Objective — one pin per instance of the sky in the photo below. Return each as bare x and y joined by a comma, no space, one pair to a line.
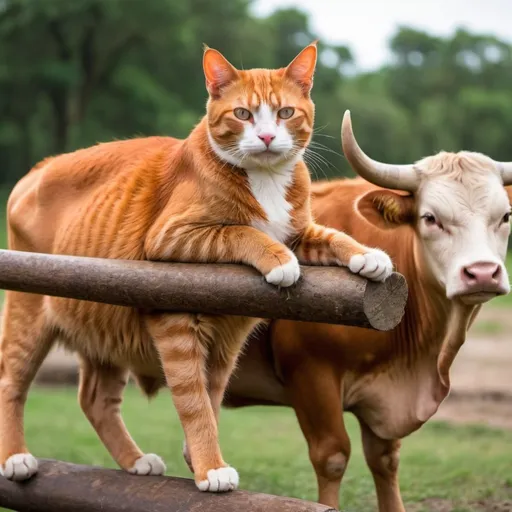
367,25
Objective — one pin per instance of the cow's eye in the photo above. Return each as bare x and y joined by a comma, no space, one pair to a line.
430,220
506,218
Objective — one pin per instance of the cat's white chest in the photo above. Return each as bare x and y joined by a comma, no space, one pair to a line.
270,189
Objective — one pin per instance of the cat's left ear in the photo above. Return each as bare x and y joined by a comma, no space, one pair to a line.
302,68
218,71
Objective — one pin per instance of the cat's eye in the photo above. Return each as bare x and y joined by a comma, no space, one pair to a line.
242,113
286,112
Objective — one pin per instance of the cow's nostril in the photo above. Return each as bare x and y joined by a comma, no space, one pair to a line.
468,274
484,273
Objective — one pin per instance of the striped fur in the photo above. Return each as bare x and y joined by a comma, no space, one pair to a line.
159,198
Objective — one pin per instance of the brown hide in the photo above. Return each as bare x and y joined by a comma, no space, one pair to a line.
358,351
389,380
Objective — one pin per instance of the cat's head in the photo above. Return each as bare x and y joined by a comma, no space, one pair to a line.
260,117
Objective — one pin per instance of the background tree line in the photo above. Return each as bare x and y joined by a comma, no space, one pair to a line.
76,73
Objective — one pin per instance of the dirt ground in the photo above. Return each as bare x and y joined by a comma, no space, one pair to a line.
443,505
481,375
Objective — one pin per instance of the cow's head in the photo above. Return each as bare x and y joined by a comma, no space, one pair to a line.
458,206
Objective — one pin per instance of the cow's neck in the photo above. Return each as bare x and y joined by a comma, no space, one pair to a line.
434,326
398,399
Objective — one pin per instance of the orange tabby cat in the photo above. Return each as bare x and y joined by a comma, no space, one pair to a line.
236,190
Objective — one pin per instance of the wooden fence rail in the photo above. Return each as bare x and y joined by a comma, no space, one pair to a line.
323,294
63,487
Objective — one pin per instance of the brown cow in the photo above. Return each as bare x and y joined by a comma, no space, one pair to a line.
448,235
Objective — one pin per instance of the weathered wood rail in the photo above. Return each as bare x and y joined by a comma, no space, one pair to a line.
323,294
64,487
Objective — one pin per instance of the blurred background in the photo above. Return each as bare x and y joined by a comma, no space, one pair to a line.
418,77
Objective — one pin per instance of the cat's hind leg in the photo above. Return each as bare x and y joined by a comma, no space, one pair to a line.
100,395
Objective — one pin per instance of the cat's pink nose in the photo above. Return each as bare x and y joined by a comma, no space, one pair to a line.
267,138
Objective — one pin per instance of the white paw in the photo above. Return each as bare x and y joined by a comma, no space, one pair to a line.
285,275
375,265
148,464
220,480
19,467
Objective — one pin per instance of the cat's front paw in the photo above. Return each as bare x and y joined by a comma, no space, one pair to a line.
285,275
374,264
219,480
18,467
147,465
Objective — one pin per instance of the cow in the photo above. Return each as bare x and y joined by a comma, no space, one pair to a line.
445,223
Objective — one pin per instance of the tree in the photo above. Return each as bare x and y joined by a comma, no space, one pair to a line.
75,73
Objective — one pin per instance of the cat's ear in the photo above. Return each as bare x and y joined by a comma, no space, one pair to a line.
218,71
302,68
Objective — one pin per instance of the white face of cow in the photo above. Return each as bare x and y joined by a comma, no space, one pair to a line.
459,207
463,226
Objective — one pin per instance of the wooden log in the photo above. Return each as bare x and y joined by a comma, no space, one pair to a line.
323,294
63,487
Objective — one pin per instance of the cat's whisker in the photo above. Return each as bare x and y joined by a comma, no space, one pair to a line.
324,135
322,147
312,165
317,129
319,160
322,159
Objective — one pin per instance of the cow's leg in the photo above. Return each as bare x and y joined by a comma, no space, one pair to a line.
24,344
382,457
100,396
315,392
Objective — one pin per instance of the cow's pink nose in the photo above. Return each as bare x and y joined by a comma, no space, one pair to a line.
481,274
267,138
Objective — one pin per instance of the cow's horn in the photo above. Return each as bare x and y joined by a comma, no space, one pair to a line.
506,172
401,177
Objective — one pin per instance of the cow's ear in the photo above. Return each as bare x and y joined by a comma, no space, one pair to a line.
508,190
387,209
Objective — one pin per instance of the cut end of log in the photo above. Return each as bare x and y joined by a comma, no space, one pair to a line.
384,303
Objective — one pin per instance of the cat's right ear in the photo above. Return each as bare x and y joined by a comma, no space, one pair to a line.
218,71
302,68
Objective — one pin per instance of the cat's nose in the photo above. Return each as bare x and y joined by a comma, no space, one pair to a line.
267,138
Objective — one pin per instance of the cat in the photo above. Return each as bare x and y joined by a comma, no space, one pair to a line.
236,190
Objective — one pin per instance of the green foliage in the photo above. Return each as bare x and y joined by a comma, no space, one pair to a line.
459,464
75,73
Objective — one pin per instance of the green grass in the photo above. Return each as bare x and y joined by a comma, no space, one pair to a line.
461,464
489,327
